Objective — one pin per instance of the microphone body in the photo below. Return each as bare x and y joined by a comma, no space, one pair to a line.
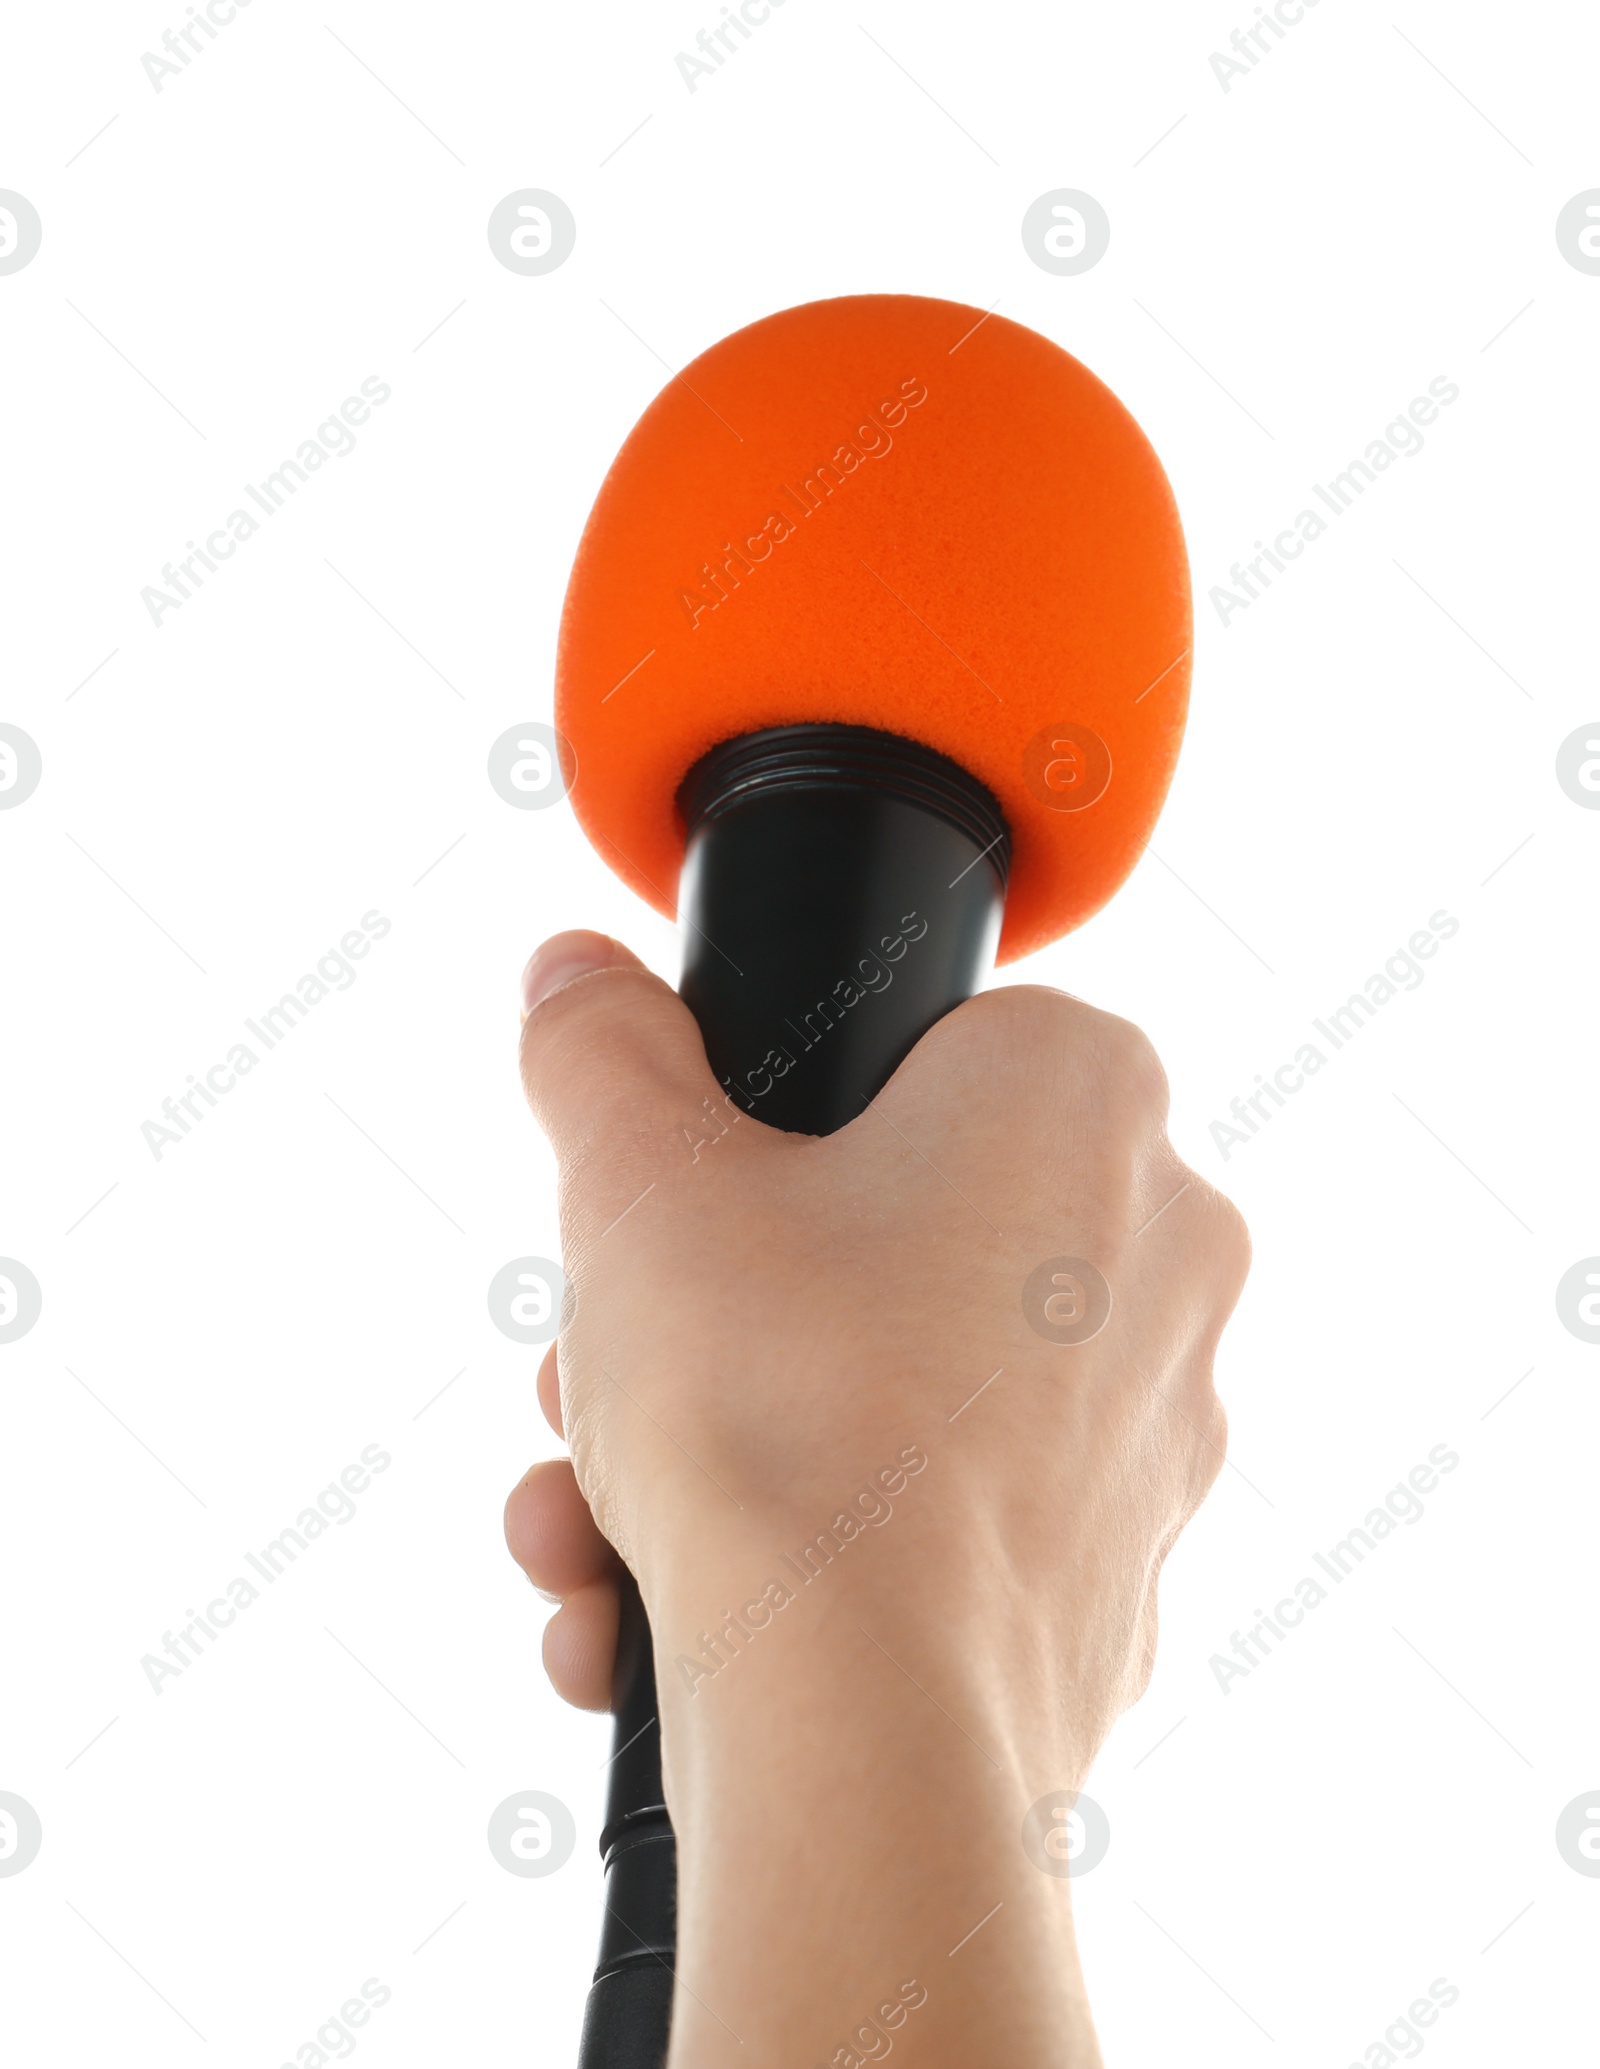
842,890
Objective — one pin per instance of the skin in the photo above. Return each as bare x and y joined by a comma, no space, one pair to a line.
763,1335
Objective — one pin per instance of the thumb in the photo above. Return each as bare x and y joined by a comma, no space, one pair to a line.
610,1054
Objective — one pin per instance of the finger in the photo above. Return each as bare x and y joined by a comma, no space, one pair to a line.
550,1532
565,957
549,1389
608,1050
580,1646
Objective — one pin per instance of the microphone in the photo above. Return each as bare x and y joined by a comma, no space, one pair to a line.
874,665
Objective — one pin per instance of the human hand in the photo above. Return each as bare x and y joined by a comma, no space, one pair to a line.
809,1402
790,1313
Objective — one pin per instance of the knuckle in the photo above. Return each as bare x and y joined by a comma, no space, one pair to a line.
1079,1045
1215,1425
1131,1062
1230,1233
1208,1449
998,1024
1212,1224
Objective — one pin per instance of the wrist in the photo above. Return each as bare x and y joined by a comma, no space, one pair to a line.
756,1605
858,1753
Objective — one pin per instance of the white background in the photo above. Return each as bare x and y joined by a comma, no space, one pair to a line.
305,739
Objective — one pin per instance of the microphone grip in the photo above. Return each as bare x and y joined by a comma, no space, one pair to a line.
629,2010
841,891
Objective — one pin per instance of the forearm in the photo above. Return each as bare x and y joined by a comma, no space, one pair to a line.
849,1788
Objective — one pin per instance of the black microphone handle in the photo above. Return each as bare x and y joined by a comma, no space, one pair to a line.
842,891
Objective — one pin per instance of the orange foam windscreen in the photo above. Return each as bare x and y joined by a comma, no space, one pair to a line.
887,511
